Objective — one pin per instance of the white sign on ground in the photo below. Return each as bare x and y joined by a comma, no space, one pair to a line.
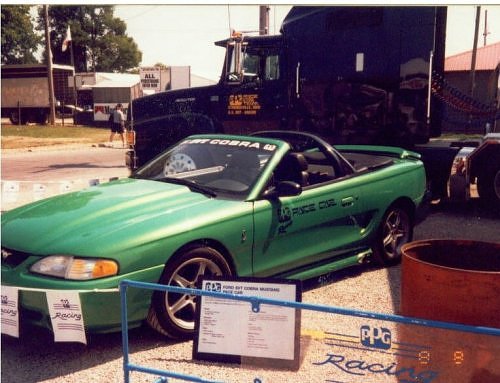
234,330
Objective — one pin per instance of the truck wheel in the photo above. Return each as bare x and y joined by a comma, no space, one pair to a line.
173,314
14,118
488,187
457,188
395,230
42,118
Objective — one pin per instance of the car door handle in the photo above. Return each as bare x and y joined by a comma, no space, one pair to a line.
347,201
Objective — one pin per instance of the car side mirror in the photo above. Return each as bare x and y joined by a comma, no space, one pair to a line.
283,189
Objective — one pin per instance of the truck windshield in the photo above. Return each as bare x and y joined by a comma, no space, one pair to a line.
247,66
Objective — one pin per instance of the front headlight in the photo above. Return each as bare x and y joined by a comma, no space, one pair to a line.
69,267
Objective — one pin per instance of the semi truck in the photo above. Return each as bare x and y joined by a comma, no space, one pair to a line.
355,75
25,91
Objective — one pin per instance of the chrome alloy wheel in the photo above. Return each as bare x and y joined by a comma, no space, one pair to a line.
396,231
180,308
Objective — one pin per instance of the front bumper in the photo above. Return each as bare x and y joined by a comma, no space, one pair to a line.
100,299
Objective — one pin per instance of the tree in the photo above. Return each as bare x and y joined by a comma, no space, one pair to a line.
19,41
99,39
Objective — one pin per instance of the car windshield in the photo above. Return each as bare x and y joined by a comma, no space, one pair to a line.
211,165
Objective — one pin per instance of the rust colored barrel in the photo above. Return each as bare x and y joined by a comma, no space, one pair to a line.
452,281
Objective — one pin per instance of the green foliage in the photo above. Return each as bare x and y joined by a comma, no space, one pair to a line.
99,39
161,65
19,41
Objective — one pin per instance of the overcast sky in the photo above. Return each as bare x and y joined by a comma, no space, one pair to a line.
178,35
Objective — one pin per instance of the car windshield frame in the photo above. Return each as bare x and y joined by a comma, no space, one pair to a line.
216,166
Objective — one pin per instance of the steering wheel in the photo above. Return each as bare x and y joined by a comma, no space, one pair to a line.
178,163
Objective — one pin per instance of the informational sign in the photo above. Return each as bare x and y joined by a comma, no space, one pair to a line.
337,344
66,315
151,79
243,104
10,311
237,332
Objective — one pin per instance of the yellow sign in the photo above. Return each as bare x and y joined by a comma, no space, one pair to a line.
243,104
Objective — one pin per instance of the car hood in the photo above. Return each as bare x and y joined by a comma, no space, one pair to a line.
107,218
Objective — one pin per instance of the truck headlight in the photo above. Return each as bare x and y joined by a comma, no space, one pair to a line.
69,267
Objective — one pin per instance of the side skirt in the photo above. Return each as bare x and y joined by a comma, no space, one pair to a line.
312,271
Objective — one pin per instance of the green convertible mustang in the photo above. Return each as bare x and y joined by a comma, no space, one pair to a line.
275,204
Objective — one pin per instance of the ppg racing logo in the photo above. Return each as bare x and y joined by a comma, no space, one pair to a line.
213,286
376,337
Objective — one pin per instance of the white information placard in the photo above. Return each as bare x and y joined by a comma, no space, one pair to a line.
229,330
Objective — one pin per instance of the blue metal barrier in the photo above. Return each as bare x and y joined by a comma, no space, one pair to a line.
256,302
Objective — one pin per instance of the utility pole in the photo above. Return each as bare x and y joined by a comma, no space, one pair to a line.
264,19
52,117
486,32
473,60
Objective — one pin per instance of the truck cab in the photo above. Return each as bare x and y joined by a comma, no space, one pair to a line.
349,74
250,96
253,84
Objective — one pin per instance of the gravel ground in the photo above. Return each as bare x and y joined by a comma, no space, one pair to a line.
36,358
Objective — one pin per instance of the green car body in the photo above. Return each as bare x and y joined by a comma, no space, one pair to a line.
148,226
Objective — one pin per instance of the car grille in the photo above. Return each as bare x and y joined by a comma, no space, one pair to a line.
13,258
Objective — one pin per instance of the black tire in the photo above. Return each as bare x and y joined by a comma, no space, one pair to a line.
173,314
42,118
488,188
457,188
395,230
14,118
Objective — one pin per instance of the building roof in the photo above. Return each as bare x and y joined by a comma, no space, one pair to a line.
487,58
116,80
89,80
201,81
121,80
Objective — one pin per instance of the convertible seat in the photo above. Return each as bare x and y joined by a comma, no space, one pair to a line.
243,166
293,167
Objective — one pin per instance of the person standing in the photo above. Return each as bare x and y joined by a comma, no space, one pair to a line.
118,124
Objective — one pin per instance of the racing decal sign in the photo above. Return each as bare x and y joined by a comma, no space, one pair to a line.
39,191
10,191
66,315
243,104
10,311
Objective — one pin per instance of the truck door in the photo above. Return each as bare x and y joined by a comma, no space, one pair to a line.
253,98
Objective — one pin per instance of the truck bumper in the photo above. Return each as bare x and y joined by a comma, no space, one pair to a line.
131,160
